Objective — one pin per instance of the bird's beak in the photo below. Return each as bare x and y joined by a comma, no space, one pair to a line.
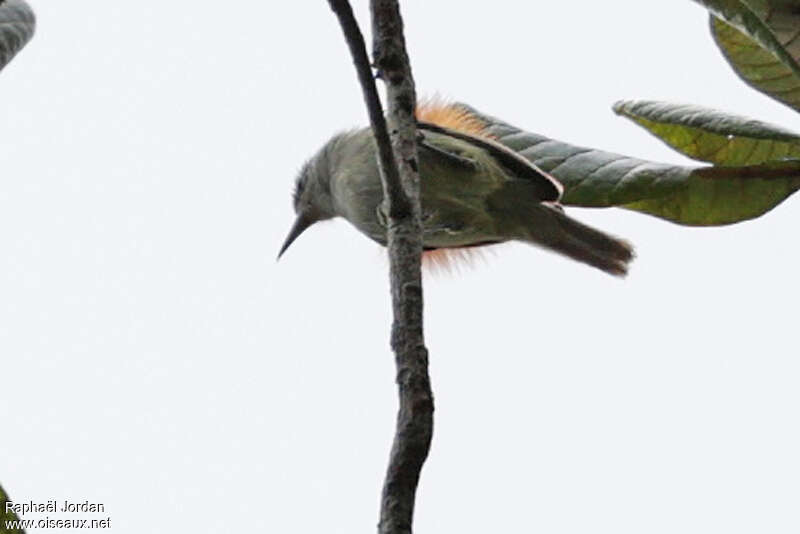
302,222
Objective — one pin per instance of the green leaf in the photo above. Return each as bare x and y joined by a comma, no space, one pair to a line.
698,196
17,24
7,516
713,136
768,63
714,196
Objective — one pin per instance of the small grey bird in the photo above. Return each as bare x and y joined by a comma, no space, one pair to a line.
474,192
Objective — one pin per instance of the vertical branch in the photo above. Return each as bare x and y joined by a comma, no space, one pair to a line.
415,418
399,175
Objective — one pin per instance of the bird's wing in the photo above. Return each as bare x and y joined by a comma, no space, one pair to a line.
547,188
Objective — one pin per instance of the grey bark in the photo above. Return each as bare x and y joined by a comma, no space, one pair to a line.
399,174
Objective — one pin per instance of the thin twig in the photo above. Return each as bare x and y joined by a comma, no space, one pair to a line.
390,173
399,174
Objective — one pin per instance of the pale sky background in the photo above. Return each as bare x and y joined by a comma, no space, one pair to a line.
156,358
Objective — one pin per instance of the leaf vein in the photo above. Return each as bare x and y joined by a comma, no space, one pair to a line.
566,159
774,78
627,176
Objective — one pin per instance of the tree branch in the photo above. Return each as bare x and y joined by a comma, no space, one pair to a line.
399,175
390,175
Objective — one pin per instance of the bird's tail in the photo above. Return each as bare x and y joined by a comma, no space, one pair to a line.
549,227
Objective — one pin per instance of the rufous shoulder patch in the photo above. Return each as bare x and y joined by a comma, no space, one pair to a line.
445,114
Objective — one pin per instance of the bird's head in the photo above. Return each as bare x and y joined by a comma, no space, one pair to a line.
312,193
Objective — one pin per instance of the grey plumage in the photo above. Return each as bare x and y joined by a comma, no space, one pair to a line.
474,192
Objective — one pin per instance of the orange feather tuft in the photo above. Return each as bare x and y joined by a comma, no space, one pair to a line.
447,260
438,111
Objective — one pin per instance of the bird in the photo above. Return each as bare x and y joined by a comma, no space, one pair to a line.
474,192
